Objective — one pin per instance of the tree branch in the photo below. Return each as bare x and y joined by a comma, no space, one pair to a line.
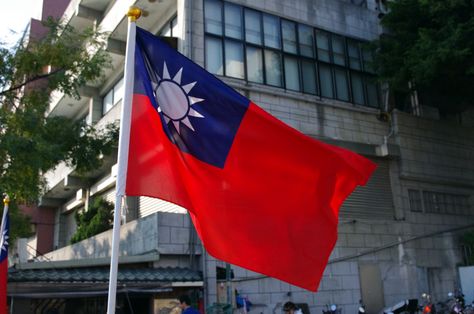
38,77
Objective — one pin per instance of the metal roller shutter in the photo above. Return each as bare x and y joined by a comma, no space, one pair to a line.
148,206
374,200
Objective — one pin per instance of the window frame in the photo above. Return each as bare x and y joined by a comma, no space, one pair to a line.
363,72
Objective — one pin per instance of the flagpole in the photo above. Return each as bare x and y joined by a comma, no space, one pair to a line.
6,201
3,240
124,138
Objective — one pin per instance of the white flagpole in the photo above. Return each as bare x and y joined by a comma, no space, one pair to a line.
124,139
6,201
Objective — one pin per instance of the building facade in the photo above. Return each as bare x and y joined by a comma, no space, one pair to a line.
305,62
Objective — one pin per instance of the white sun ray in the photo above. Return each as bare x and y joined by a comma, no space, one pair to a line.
177,77
194,100
176,125
4,241
194,113
188,124
166,74
187,88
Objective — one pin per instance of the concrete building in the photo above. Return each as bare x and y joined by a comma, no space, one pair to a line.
304,62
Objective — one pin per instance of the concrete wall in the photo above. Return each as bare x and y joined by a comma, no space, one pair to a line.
163,233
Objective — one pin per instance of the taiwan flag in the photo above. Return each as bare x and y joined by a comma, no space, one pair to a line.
4,230
261,195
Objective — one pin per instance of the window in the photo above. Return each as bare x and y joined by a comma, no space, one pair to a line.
305,35
289,36
325,78
213,21
338,50
415,200
263,48
214,58
271,31
342,89
233,20
254,64
273,68
253,33
113,96
322,42
354,55
170,28
309,77
439,203
357,88
292,77
234,59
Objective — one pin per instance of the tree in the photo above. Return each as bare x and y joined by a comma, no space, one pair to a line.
97,218
31,142
429,43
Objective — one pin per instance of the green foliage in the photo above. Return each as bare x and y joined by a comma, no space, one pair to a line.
31,141
431,44
96,219
21,223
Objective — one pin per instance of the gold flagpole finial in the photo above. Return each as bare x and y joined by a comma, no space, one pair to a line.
134,14
6,199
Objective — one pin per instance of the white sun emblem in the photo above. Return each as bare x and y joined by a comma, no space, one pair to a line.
174,101
4,240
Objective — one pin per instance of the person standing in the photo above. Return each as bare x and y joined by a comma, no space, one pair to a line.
291,308
185,305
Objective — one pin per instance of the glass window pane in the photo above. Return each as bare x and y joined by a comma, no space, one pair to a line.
234,59
305,34
325,77
253,33
273,68
108,102
289,36
233,20
213,14
271,30
174,27
357,88
372,93
338,50
342,89
118,91
367,57
309,77
292,77
415,200
214,55
322,43
354,55
254,65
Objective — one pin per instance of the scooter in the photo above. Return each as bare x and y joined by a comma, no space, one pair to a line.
332,309
405,306
361,307
428,306
455,303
